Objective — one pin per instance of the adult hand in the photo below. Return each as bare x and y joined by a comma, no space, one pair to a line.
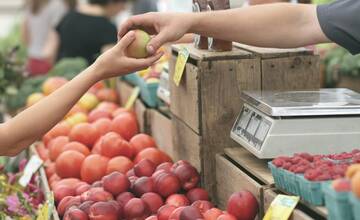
115,62
166,27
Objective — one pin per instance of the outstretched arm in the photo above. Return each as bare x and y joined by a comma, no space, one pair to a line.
282,25
32,123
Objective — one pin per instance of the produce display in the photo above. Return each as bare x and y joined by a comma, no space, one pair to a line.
17,202
303,174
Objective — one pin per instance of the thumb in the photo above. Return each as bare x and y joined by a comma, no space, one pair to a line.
156,42
126,40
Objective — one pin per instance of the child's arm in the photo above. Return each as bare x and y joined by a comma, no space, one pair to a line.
32,123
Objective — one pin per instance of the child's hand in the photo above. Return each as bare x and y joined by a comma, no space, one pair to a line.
114,61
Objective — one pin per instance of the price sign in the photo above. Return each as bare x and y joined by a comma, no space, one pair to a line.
31,167
281,208
180,65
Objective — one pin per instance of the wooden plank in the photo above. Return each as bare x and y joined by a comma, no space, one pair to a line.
185,97
207,55
230,179
291,73
266,53
160,130
141,115
186,143
248,161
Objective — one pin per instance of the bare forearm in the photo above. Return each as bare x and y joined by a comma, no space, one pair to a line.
33,122
275,25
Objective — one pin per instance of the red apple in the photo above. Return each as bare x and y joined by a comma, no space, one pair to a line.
178,200
175,215
116,183
187,174
212,214
85,206
143,185
203,205
190,213
153,200
144,168
103,211
243,205
165,211
197,194
136,209
167,184
164,166
75,213
226,216
124,197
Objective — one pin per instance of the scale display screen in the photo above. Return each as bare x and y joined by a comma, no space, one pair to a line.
252,127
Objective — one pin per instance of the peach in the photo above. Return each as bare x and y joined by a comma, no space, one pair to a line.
52,84
141,141
85,206
63,191
75,213
137,48
115,183
167,184
124,197
175,215
212,214
136,209
97,194
242,205
102,125
143,185
103,211
120,163
178,200
97,114
66,203
56,146
187,174
190,213
112,145
144,168
77,146
197,194
165,211
153,200
226,217
203,205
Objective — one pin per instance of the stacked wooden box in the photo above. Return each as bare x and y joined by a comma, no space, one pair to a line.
206,103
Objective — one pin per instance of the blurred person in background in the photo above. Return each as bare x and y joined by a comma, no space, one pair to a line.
41,18
88,31
144,6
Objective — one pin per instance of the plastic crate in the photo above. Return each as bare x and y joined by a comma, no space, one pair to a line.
277,174
148,93
355,203
310,191
291,184
337,203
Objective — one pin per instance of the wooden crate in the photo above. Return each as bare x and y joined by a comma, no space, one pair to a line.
160,130
207,101
259,171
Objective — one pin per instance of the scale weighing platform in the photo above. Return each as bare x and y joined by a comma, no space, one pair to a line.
324,121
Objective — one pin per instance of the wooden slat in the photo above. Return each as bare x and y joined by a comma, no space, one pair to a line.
206,55
230,179
267,53
186,143
141,115
291,73
124,90
248,161
185,97
160,130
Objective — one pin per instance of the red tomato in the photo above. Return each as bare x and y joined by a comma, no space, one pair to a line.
84,133
61,129
141,141
97,114
103,126
112,145
68,164
77,146
153,154
120,164
126,125
56,146
94,168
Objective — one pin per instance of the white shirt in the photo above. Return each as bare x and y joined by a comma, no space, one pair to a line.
40,24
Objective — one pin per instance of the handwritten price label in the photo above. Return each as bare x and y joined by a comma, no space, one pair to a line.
180,65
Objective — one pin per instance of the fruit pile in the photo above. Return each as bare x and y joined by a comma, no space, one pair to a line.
318,167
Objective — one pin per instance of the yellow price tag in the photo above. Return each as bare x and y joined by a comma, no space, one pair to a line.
281,208
180,65
130,102
43,213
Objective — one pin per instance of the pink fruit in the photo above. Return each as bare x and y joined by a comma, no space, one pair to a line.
130,173
187,174
177,200
153,217
97,194
197,194
63,191
66,203
164,166
243,205
116,183
143,185
212,214
167,184
203,205
226,217
85,206
82,188
165,211
175,215
75,214
153,201
136,209
103,211
144,168
190,213
124,197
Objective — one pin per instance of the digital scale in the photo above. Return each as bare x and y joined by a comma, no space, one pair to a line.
324,121
163,91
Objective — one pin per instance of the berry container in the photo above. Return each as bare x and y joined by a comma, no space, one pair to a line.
132,78
310,191
337,203
355,203
292,185
277,174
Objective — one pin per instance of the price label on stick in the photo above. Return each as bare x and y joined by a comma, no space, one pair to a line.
180,65
130,102
31,167
281,208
